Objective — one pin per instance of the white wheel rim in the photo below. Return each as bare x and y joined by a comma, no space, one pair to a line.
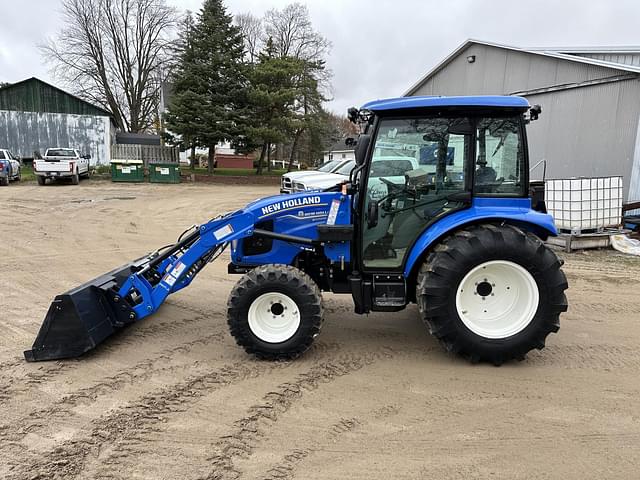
274,317
497,299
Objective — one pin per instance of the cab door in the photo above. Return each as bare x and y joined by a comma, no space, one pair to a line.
418,172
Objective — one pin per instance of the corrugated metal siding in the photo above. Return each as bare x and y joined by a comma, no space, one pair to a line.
624,58
634,184
500,71
36,96
588,131
26,132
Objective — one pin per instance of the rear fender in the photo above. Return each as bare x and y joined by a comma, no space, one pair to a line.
516,211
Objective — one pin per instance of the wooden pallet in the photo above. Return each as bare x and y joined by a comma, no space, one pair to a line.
579,241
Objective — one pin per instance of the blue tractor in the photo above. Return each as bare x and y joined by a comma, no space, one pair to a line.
457,236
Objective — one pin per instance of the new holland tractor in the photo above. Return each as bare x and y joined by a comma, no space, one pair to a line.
436,212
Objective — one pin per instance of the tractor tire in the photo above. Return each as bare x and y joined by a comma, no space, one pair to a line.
491,293
275,312
41,180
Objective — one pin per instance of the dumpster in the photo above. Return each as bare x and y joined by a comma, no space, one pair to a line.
164,173
127,171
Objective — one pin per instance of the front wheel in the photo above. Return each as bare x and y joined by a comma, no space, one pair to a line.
492,293
275,312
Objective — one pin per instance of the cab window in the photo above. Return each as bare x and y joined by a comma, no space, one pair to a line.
499,164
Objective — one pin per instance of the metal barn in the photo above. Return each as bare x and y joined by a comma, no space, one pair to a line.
590,102
35,115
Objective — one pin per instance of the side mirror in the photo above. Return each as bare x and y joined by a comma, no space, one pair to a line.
361,148
372,214
534,112
87,156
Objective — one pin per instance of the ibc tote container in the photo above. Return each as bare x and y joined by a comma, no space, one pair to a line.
585,204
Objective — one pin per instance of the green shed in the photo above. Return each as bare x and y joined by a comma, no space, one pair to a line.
35,115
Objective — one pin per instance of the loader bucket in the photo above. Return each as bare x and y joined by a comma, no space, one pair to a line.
81,318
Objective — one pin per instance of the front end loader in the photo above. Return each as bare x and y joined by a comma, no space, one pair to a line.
436,212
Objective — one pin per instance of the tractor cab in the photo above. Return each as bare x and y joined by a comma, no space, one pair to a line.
420,160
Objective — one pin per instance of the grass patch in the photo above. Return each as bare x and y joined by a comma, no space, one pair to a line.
27,173
242,172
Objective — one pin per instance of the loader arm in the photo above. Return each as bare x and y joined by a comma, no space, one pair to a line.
83,317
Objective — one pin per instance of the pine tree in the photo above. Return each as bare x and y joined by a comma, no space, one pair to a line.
210,87
183,116
274,90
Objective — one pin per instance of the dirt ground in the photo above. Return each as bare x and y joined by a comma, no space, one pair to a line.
376,397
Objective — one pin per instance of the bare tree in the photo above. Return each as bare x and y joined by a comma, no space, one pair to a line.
292,34
252,33
113,53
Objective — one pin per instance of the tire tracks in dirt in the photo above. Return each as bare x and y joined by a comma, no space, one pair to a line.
63,408
286,467
596,357
14,380
68,459
131,421
248,430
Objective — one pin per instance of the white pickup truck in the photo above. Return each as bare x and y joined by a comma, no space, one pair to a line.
61,163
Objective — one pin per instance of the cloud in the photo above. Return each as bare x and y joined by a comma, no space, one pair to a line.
380,47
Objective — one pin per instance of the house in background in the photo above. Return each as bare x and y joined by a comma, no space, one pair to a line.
339,151
35,115
590,100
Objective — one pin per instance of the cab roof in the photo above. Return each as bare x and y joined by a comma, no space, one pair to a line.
494,101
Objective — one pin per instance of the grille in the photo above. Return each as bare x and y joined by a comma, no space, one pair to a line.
285,183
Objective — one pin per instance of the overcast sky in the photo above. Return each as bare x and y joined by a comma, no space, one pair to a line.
380,47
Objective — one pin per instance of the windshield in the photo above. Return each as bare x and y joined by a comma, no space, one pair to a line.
346,168
60,152
329,166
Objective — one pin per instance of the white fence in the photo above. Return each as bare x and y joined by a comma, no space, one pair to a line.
149,154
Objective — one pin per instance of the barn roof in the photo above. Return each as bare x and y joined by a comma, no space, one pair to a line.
35,95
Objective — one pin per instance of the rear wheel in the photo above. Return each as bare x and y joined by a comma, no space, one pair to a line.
41,180
275,312
492,293
4,181
75,178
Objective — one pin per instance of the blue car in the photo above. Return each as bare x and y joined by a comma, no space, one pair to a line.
10,168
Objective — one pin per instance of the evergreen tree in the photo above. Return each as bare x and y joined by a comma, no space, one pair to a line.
210,88
183,116
274,90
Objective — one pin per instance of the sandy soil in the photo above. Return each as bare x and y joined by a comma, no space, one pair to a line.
376,397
